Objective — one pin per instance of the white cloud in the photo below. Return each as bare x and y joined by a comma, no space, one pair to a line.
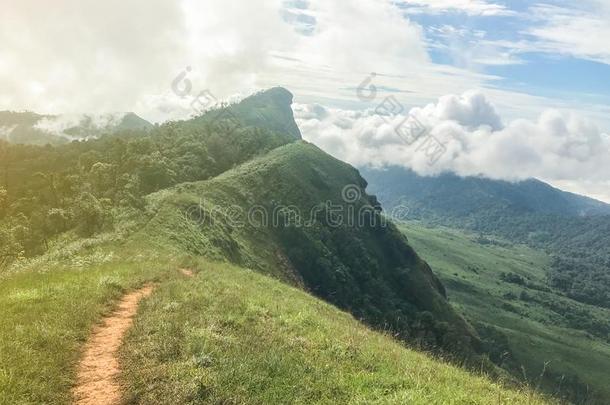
559,147
471,49
64,57
576,31
233,46
470,7
59,124
383,41
5,131
470,110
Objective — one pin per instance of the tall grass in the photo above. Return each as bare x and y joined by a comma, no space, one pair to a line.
233,336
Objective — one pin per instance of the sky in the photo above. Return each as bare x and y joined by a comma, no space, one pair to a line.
506,89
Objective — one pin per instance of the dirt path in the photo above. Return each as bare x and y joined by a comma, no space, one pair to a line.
99,367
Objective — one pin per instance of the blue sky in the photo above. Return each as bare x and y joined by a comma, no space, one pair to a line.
524,67
527,56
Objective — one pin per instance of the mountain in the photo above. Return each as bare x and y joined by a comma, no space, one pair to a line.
527,326
267,220
573,287
284,214
270,109
456,196
35,129
574,229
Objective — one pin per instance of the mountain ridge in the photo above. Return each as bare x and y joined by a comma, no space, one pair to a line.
532,195
369,270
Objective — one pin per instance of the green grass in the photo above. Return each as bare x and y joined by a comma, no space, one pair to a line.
228,335
368,270
536,334
234,336
48,310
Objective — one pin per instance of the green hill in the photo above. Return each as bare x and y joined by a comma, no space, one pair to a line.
531,329
368,269
233,336
574,229
228,335
234,189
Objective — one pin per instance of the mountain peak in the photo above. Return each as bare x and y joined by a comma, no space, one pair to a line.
270,109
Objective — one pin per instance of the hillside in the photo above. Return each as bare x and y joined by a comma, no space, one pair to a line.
239,337
500,288
81,187
529,212
84,223
284,214
229,334
188,174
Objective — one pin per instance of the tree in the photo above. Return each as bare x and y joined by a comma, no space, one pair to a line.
10,249
57,221
90,214
102,177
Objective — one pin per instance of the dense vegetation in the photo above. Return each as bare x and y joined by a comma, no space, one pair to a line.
574,229
82,187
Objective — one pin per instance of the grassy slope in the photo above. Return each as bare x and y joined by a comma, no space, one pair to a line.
471,273
370,271
48,309
227,334
234,336
265,340
50,306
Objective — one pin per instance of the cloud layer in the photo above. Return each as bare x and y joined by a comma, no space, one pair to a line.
233,46
470,7
559,147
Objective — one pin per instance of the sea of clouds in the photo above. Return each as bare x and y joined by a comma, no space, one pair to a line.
558,146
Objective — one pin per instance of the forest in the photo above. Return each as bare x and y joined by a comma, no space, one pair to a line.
80,188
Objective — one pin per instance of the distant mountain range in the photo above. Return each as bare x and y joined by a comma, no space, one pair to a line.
449,195
36,129
573,228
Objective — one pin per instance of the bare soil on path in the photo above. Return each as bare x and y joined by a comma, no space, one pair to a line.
99,367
